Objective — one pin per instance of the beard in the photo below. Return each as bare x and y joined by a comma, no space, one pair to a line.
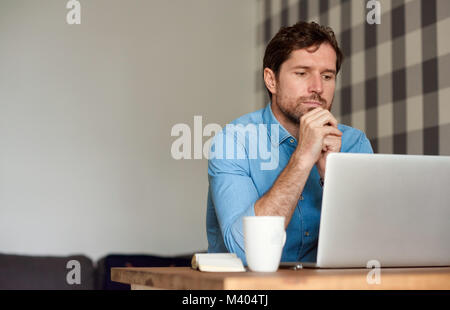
295,112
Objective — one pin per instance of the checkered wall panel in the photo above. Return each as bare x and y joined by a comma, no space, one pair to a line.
394,83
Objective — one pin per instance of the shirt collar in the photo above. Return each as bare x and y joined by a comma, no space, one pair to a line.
269,119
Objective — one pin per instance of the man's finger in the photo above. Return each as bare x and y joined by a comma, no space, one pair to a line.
332,139
332,143
311,113
323,119
330,130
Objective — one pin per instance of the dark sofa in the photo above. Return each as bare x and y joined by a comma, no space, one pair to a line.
21,272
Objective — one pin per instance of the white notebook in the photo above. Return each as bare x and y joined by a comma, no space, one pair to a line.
217,262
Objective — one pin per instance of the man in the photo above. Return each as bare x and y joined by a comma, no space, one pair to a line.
301,64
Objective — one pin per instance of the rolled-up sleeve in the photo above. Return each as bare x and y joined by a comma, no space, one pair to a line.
232,191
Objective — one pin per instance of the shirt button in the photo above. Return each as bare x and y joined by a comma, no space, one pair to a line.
307,233
291,140
301,197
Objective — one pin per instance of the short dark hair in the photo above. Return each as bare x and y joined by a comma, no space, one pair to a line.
299,36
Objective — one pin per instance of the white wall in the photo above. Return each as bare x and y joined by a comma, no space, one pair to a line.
86,113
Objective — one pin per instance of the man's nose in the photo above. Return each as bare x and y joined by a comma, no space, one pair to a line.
315,84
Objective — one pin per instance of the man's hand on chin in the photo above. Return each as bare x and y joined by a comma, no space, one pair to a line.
331,144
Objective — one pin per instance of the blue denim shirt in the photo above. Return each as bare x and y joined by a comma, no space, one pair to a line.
237,182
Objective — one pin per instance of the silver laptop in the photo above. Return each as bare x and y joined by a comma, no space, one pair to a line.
393,209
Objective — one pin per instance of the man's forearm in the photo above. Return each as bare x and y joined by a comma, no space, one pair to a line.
283,196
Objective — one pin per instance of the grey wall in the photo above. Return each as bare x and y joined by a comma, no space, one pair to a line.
394,83
86,113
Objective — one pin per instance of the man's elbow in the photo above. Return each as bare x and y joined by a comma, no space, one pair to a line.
234,242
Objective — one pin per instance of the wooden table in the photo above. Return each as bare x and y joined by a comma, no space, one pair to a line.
185,278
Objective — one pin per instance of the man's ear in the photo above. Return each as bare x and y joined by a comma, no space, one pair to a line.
270,80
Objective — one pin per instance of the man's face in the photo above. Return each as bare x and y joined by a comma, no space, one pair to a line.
306,80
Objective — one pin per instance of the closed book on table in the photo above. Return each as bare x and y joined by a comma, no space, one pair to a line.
217,262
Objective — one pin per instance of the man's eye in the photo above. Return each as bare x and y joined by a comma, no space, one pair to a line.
300,73
327,77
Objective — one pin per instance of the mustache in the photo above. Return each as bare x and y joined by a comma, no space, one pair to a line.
314,97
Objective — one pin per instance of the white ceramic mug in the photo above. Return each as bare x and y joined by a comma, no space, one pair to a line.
264,238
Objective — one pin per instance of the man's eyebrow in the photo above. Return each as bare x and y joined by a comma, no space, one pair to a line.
301,67
307,67
330,71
